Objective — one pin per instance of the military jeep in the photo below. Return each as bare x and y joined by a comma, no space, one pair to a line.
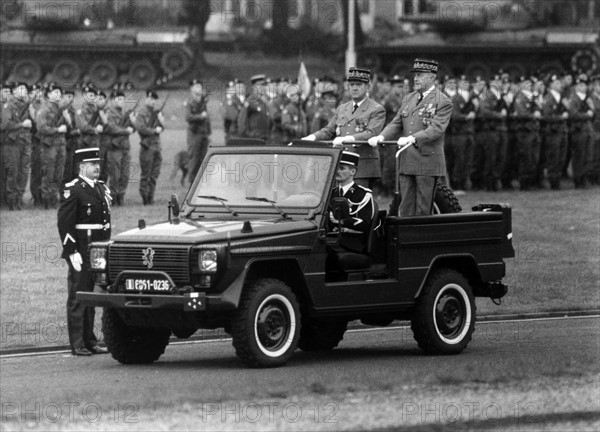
246,251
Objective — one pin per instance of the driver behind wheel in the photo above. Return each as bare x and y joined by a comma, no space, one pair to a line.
354,228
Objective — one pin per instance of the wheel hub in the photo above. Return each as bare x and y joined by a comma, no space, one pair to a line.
272,326
449,315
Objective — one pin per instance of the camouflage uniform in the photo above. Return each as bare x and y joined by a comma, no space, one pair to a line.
35,184
72,137
459,140
555,133
53,150
581,137
150,152
254,121
198,133
230,110
16,151
526,126
293,122
117,154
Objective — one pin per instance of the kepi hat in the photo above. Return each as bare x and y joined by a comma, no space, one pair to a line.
350,158
425,65
87,155
358,74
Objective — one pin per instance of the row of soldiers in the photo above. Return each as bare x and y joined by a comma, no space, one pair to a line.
41,130
503,134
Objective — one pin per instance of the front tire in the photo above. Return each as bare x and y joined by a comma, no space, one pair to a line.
132,345
266,327
444,317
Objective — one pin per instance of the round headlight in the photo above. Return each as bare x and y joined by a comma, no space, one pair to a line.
98,258
207,261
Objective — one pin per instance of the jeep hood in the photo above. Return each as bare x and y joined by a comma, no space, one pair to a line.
192,232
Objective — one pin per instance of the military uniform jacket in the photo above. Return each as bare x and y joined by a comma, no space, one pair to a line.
145,124
459,123
84,209
48,119
193,113
355,228
13,117
552,111
524,107
490,108
366,122
426,121
578,109
254,120
117,132
293,121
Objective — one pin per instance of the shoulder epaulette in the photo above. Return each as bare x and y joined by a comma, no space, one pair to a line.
72,183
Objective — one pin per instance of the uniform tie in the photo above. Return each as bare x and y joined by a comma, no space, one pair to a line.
355,108
420,98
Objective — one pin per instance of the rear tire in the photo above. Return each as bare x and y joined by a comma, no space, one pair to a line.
444,200
321,335
132,345
266,326
444,317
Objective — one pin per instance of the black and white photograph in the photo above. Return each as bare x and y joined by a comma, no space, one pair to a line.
300,215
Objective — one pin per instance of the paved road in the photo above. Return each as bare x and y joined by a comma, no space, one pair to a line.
545,371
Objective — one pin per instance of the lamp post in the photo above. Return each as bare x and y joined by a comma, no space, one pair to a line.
351,51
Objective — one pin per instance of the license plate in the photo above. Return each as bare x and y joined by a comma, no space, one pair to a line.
147,285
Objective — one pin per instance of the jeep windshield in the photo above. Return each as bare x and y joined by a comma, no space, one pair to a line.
262,182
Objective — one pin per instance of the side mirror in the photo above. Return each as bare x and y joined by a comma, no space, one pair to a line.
175,205
340,208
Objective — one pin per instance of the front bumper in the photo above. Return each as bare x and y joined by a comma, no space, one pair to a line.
190,302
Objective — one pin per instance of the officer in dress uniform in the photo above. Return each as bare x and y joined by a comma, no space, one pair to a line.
83,217
355,228
119,126
52,130
16,158
420,123
357,120
149,123
199,130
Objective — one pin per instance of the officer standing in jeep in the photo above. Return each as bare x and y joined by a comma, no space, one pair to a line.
357,120
198,131
83,217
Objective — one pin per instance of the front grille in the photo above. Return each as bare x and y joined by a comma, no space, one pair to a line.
170,259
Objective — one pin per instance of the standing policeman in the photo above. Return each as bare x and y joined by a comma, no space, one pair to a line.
149,124
83,217
357,120
198,132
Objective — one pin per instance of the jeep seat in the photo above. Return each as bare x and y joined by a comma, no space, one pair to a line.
350,262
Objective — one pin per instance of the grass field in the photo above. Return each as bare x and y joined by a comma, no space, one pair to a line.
556,238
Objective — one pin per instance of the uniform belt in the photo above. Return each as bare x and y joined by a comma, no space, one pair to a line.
92,226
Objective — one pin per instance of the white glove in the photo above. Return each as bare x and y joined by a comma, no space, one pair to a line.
403,141
99,129
158,129
339,141
129,130
27,123
311,137
76,261
62,129
375,140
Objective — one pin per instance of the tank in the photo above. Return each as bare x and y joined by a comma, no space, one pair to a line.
480,43
45,40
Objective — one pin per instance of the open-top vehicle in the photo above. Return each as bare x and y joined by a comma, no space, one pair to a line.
247,252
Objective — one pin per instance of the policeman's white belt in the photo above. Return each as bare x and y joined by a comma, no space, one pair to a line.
92,226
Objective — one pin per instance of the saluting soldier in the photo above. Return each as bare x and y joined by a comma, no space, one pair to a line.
149,122
555,130
254,120
119,126
83,217
16,146
293,118
526,117
199,129
357,120
51,129
581,113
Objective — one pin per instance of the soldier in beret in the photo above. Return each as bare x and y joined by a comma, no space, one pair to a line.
199,130
581,113
83,217
421,123
70,115
254,120
357,120
555,130
149,122
119,126
36,98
